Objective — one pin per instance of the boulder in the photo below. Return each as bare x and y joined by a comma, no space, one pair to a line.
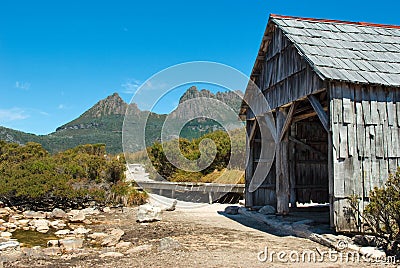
90,211
58,213
5,235
372,252
168,243
81,231
111,254
76,216
113,238
4,211
137,249
106,209
41,226
231,210
9,245
63,232
23,223
70,244
53,243
267,210
365,240
123,244
34,214
148,213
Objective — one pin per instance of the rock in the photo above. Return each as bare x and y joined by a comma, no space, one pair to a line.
70,244
111,254
23,222
53,243
231,210
6,235
90,211
87,222
81,231
123,244
173,206
58,213
373,252
63,232
3,228
365,240
34,214
106,209
4,211
267,210
41,226
9,245
76,216
113,238
137,249
10,226
148,213
97,235
52,251
168,243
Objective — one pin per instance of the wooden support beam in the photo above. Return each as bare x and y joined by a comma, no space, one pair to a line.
288,120
323,117
308,147
282,166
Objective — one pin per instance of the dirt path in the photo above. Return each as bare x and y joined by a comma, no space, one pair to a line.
202,237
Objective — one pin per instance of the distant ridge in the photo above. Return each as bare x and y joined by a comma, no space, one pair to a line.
102,123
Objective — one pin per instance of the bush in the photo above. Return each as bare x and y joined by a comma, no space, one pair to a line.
382,215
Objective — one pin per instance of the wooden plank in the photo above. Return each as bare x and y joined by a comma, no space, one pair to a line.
366,169
387,140
323,117
366,106
348,113
398,113
331,180
391,110
371,140
308,147
351,139
379,142
381,105
339,179
335,141
374,107
360,130
343,149
394,145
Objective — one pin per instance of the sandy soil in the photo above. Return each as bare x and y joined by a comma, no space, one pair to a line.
205,238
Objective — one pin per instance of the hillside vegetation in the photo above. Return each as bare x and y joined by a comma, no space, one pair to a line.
225,167
32,178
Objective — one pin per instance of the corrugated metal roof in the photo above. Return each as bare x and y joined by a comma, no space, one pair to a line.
346,51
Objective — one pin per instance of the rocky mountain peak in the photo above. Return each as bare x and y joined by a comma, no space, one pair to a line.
111,105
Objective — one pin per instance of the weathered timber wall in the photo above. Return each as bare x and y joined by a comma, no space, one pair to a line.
365,123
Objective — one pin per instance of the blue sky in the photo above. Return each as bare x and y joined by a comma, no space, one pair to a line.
58,58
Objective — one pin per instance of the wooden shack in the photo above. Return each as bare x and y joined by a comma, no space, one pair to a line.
332,88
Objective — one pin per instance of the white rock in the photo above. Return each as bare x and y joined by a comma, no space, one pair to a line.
113,238
53,243
81,231
58,213
34,214
97,235
372,252
70,244
148,213
5,234
63,232
106,209
76,216
111,254
4,211
23,222
139,249
90,211
123,244
9,245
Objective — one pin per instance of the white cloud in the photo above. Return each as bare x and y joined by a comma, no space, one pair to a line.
22,85
13,114
61,106
130,86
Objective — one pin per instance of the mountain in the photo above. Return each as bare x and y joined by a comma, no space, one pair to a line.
103,122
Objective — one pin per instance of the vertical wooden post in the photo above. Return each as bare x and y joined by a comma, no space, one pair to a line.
249,165
282,165
292,169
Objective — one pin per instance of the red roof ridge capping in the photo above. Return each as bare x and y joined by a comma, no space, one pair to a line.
336,21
